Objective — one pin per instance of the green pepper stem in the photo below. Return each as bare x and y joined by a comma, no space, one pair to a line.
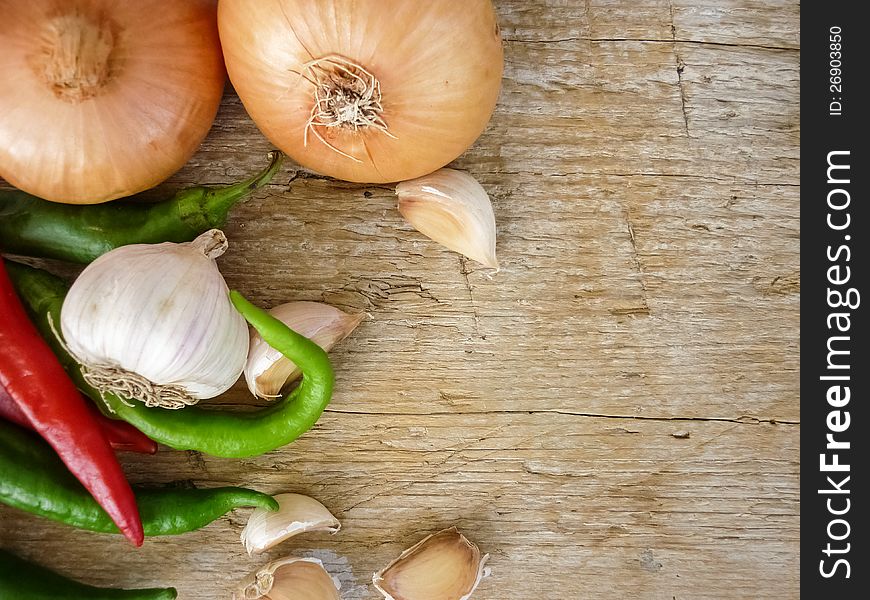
80,233
218,201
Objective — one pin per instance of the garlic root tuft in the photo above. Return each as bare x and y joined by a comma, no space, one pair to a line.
132,386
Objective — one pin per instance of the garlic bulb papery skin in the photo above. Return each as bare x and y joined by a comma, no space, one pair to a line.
267,370
453,209
153,322
290,578
444,565
296,514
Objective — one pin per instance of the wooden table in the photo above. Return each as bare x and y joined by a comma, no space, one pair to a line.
615,414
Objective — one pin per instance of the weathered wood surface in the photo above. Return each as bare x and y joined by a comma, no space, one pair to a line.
615,413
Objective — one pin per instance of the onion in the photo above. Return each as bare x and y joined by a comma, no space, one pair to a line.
103,99
368,91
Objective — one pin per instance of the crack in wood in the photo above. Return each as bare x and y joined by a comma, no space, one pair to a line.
781,284
301,174
643,309
745,180
587,17
377,291
195,458
463,268
674,39
630,310
741,420
681,66
441,463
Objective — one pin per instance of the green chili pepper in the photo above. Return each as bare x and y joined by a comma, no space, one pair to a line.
35,480
30,226
23,580
214,432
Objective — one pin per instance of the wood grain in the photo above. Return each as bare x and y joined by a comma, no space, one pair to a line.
615,414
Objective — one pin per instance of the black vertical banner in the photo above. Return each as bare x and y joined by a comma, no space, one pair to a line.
834,369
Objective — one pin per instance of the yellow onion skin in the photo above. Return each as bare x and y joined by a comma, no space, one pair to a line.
439,65
102,99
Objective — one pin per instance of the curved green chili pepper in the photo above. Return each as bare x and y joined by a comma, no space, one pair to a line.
35,480
30,226
23,580
214,432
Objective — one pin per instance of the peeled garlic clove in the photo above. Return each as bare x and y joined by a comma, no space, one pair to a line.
289,578
296,514
267,371
154,323
453,209
443,566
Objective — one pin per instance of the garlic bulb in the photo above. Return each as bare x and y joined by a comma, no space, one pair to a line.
153,322
289,578
453,209
444,565
296,514
267,370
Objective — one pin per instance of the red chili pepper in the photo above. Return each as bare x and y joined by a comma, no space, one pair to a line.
48,398
122,436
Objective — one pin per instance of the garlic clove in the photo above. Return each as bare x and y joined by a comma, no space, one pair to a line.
289,578
453,209
267,371
296,514
443,566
